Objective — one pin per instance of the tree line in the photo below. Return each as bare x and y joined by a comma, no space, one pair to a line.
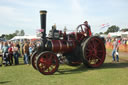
113,28
10,36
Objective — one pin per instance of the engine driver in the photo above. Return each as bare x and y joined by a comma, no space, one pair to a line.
87,29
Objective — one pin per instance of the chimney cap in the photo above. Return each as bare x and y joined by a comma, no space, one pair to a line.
43,12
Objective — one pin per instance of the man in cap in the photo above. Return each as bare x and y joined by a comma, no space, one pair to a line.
88,28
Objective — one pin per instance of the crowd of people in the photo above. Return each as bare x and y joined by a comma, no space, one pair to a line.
121,40
11,51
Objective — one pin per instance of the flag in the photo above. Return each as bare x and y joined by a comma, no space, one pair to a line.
40,30
104,25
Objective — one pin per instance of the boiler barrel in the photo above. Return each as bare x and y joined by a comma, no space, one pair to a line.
60,46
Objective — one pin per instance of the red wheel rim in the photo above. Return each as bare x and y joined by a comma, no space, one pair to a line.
47,63
95,52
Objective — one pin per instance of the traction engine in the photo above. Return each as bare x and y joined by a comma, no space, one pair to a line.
77,47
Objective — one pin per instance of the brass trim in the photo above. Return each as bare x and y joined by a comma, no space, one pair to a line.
43,12
67,44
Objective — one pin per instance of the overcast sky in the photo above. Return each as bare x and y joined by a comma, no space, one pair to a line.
24,14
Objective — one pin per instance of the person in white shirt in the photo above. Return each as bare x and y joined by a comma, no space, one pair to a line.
115,50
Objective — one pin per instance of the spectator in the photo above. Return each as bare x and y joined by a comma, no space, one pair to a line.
115,50
22,52
30,50
15,54
18,46
26,52
127,42
5,54
10,53
1,46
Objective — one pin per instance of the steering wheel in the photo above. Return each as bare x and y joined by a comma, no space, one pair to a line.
81,29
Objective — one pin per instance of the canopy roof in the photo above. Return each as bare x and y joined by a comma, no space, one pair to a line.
25,37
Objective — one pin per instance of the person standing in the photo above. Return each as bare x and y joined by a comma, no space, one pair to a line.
18,45
31,49
22,51
1,46
115,50
88,28
10,53
5,53
26,53
15,54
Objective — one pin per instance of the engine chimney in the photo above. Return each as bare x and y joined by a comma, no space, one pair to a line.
43,23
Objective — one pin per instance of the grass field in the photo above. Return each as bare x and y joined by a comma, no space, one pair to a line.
108,74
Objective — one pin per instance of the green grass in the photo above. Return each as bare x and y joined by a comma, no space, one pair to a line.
108,74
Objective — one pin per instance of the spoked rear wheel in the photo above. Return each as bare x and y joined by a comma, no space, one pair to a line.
94,52
47,63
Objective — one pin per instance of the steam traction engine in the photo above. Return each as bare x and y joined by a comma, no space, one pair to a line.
77,47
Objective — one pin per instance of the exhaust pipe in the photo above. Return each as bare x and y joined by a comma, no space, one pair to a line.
43,23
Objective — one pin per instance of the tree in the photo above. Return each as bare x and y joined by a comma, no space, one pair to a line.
113,28
22,33
10,36
17,32
101,33
97,34
2,36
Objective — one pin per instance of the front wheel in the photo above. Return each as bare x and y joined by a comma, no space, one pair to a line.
47,63
33,59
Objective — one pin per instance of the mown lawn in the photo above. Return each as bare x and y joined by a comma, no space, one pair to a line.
109,74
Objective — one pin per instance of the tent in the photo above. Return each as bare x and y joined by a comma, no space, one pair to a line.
25,37
124,35
114,34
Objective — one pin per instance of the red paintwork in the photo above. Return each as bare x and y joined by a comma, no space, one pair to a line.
68,43
80,37
48,63
62,46
90,33
34,59
95,52
80,44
